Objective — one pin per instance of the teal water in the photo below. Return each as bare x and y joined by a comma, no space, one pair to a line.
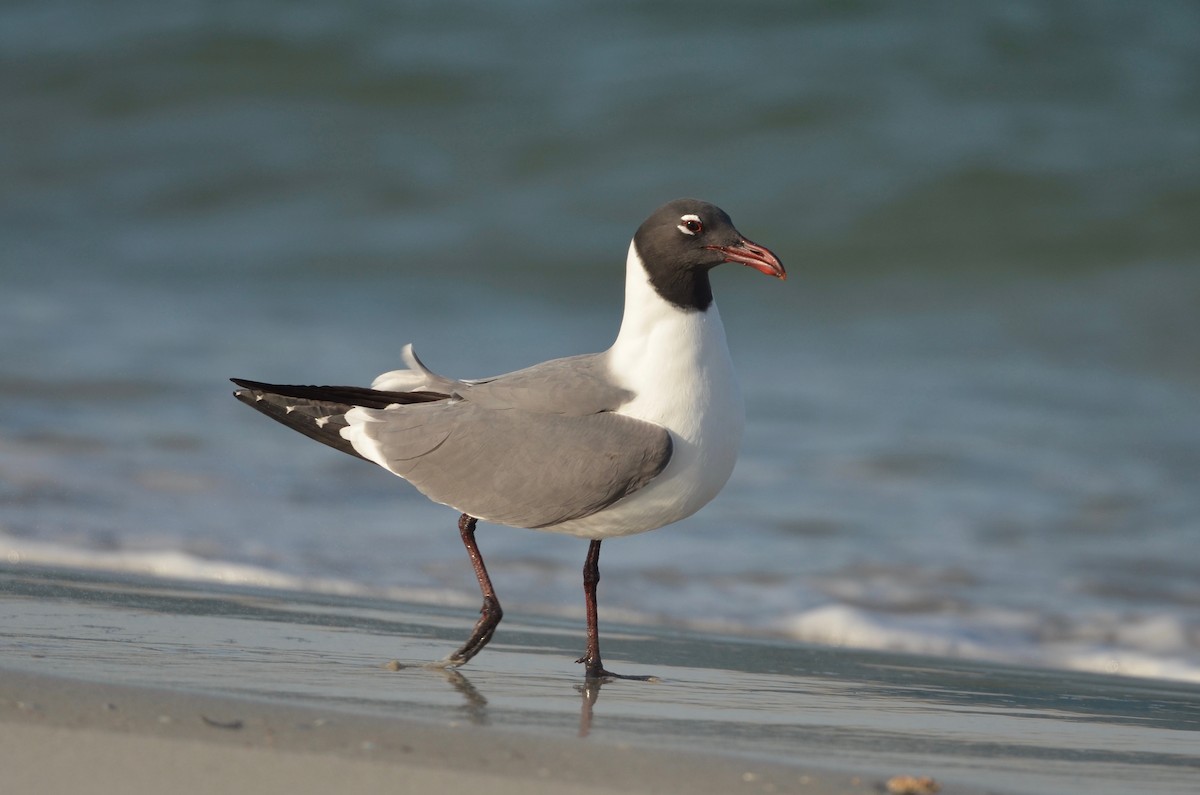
973,418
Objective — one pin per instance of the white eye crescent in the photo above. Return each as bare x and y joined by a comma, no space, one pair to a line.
690,225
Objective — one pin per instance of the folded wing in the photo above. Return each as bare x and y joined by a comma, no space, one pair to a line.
512,466
529,449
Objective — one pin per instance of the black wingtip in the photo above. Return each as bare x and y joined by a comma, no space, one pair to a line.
242,394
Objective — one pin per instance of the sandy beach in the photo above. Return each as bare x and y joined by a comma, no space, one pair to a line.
132,685
62,735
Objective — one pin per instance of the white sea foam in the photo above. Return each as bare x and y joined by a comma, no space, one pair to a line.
1161,646
1158,647
177,565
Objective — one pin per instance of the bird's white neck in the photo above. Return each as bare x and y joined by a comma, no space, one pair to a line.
652,324
673,359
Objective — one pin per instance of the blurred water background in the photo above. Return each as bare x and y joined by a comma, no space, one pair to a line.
974,408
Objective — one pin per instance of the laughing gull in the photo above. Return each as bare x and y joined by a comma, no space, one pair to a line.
595,446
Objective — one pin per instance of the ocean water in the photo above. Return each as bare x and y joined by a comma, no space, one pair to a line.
973,409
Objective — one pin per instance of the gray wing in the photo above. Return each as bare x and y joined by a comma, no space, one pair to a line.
511,465
576,385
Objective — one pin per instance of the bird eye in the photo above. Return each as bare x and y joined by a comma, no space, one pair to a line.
690,225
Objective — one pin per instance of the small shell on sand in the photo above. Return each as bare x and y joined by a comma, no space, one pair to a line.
912,785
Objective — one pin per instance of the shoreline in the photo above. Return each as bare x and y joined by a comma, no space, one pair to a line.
115,679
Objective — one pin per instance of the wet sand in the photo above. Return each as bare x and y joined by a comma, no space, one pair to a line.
123,684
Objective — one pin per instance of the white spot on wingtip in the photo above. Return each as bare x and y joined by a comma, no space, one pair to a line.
322,421
289,409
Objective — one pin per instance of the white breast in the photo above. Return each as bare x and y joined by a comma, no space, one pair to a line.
677,364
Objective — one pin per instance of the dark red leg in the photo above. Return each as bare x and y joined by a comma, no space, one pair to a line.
490,614
591,659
